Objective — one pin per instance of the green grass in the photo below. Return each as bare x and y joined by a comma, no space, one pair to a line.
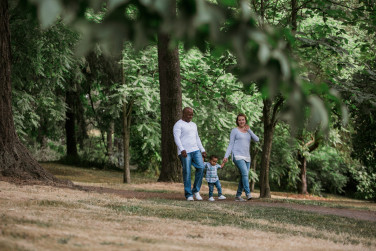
247,217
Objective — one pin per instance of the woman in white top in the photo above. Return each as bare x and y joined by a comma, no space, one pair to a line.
240,142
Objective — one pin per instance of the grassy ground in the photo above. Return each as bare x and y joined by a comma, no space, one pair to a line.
51,218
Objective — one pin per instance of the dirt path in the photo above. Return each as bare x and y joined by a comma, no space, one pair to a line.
350,213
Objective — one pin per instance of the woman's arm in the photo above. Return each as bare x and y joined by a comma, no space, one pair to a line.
253,136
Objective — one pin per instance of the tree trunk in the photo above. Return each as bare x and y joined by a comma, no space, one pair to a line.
70,127
16,162
294,14
254,153
269,125
127,109
171,106
302,184
110,131
252,182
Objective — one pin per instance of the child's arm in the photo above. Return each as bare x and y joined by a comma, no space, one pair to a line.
222,165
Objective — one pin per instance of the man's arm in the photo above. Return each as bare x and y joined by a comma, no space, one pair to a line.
177,134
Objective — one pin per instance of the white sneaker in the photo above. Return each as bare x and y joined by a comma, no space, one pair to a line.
221,197
198,196
211,199
249,197
239,199
190,198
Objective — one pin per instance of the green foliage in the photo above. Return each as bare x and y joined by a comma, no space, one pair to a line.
284,169
327,171
41,60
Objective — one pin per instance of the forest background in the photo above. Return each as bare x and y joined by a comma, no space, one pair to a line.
89,110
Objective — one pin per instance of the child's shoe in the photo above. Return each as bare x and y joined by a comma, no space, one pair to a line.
211,199
221,197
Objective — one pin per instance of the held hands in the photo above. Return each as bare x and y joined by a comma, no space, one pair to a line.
184,153
203,154
224,161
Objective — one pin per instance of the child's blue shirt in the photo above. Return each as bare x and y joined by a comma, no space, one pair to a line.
211,172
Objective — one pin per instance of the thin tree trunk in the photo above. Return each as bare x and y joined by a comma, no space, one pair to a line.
127,110
171,106
70,127
16,162
254,153
302,184
294,14
110,131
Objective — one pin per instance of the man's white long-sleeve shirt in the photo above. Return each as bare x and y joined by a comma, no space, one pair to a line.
186,137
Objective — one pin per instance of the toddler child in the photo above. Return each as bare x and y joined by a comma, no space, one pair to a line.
212,177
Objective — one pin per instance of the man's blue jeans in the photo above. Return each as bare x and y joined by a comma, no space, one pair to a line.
195,159
243,167
217,184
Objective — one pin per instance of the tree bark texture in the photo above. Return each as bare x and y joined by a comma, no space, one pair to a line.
110,131
127,110
269,125
302,184
312,145
70,126
16,162
254,153
171,106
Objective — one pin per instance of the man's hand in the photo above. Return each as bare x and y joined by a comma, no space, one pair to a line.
184,153
203,154
224,161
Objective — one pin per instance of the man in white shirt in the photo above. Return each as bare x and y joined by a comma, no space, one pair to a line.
190,151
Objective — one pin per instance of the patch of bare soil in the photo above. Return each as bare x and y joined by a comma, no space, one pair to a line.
345,212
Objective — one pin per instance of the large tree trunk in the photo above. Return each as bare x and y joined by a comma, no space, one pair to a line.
171,106
70,126
302,184
16,162
269,125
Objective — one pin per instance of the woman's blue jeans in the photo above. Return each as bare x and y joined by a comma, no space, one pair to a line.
217,184
243,167
195,159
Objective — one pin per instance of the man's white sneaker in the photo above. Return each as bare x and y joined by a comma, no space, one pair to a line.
221,197
249,197
190,198
211,199
198,196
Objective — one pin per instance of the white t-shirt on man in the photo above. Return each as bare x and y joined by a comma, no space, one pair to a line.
186,137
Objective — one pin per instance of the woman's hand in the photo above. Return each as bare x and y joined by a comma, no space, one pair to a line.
246,127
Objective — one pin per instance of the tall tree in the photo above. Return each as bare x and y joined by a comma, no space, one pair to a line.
171,103
15,160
